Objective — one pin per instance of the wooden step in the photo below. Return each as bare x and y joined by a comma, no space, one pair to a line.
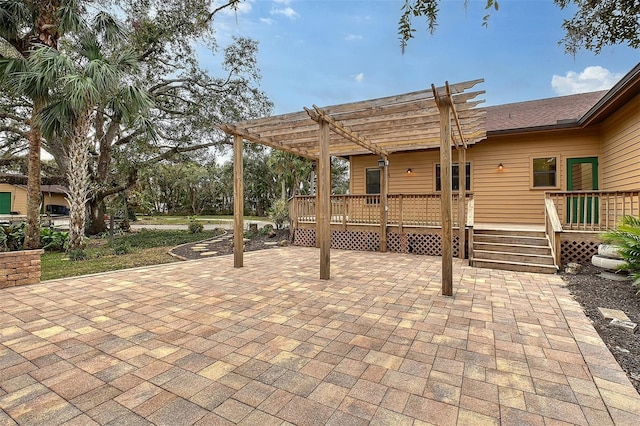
515,232
544,259
518,248
514,266
510,239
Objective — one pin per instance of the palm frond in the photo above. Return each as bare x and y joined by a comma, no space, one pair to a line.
109,27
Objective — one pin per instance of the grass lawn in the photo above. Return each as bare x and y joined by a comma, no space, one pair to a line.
184,220
135,249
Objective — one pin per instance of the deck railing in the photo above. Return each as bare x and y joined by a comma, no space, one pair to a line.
418,210
594,210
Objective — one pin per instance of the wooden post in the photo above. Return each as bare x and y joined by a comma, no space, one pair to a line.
462,199
444,106
323,204
384,204
238,203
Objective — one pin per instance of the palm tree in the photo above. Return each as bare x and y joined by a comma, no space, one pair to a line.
25,24
89,76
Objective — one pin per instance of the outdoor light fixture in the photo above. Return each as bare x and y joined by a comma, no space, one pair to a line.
500,166
382,162
409,171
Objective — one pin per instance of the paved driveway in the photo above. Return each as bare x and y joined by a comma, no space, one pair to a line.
203,343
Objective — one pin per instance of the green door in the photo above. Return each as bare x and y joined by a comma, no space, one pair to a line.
5,202
582,175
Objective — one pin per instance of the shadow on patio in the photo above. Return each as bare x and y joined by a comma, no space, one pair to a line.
203,343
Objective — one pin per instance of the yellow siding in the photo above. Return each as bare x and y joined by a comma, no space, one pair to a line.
620,145
501,196
55,199
18,197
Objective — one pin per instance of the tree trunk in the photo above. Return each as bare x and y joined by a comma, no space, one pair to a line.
78,177
32,231
96,209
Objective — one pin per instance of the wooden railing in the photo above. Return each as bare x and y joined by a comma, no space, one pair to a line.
594,210
553,229
418,210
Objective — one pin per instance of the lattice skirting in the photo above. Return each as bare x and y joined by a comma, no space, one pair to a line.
429,244
426,244
578,251
304,237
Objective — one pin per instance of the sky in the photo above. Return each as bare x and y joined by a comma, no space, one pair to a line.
328,52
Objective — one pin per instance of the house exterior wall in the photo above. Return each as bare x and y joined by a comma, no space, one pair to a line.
54,199
18,197
501,196
620,145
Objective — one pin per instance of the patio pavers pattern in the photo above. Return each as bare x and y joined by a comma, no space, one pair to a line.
203,343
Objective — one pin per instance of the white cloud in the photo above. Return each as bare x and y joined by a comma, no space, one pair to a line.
353,37
590,80
267,21
287,2
359,77
287,11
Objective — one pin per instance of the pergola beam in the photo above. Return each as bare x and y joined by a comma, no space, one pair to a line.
235,130
347,133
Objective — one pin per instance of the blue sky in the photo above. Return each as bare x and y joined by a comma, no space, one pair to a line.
327,52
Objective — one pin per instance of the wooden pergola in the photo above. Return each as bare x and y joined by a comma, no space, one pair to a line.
428,119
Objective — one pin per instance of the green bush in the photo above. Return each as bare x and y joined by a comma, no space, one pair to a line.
12,237
52,240
77,254
279,212
195,227
121,247
627,237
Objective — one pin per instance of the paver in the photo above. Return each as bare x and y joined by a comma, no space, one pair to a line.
200,343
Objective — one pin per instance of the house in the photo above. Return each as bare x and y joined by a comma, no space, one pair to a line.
13,199
543,178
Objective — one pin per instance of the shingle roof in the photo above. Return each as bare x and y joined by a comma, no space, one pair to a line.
541,112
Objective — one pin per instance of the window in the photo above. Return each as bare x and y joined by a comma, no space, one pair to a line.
373,181
544,172
455,177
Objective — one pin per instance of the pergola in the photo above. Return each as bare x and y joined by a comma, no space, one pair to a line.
433,118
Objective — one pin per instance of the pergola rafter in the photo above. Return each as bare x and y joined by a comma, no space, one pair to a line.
413,121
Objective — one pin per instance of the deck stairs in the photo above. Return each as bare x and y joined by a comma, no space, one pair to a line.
513,250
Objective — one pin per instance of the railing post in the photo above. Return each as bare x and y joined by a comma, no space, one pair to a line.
345,212
384,204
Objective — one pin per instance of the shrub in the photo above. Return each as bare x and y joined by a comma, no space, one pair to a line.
52,240
12,237
121,247
627,237
195,227
77,254
279,212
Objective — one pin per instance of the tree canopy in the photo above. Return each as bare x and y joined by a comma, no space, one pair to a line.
596,24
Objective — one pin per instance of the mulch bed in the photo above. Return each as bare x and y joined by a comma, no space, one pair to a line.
587,287
593,291
224,246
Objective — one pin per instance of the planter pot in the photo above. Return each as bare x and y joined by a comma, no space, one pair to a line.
606,263
20,268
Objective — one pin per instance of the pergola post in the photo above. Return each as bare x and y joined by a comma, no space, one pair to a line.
462,199
444,106
323,201
238,203
384,201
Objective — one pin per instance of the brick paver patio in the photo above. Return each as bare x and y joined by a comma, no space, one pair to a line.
203,343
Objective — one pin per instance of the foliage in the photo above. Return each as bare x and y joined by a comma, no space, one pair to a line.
279,212
195,227
12,237
77,254
121,247
53,240
627,238
595,24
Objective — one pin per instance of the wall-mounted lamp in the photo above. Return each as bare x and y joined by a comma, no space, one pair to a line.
409,171
500,166
382,162
313,165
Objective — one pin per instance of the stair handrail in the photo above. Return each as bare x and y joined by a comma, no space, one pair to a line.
553,229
